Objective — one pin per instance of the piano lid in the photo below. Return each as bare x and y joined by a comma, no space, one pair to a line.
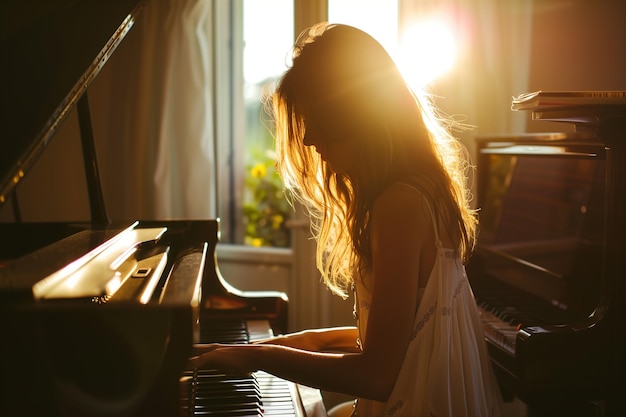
51,50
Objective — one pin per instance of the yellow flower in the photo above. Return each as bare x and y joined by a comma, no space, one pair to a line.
277,220
258,171
253,241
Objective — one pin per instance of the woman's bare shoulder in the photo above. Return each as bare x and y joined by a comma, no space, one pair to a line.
400,216
400,198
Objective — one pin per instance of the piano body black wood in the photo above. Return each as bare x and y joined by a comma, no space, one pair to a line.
549,265
72,347
97,319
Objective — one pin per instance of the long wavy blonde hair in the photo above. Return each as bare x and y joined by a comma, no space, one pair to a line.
343,81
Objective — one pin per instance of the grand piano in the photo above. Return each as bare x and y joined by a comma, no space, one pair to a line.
548,272
98,318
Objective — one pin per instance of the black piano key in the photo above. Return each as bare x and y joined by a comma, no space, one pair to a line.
223,331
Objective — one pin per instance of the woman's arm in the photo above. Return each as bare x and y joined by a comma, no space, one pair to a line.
401,229
334,339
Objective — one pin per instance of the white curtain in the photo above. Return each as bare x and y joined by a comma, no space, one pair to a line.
160,160
493,63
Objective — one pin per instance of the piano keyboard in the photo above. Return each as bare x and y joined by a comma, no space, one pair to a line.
209,393
504,311
206,392
498,331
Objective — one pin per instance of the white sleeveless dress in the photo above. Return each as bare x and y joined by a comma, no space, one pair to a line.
446,369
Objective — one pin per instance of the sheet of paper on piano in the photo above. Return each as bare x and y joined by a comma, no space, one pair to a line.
539,100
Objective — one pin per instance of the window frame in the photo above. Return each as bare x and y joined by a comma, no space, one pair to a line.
229,115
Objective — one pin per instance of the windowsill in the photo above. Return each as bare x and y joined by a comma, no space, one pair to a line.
245,253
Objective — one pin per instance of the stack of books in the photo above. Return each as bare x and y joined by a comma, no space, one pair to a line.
586,109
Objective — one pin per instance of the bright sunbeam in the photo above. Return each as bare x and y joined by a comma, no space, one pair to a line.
427,50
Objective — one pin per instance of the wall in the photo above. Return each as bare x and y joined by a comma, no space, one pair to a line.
577,45
55,188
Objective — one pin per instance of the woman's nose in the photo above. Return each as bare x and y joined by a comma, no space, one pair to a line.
308,140
314,139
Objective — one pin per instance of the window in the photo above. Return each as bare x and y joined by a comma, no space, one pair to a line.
251,49
268,37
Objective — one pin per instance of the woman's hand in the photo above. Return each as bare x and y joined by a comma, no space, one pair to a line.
280,356
231,359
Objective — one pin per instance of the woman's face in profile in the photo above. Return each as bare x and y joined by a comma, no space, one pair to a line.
335,146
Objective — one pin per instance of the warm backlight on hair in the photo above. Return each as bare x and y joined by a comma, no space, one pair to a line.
427,50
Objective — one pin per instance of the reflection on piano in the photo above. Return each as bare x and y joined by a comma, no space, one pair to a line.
545,273
99,318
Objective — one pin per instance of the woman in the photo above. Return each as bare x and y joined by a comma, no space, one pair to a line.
383,180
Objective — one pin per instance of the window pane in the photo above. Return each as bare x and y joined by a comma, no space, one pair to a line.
268,37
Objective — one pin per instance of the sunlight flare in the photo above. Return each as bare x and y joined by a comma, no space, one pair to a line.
427,50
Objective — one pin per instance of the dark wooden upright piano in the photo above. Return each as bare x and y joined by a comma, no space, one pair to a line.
98,318
549,269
